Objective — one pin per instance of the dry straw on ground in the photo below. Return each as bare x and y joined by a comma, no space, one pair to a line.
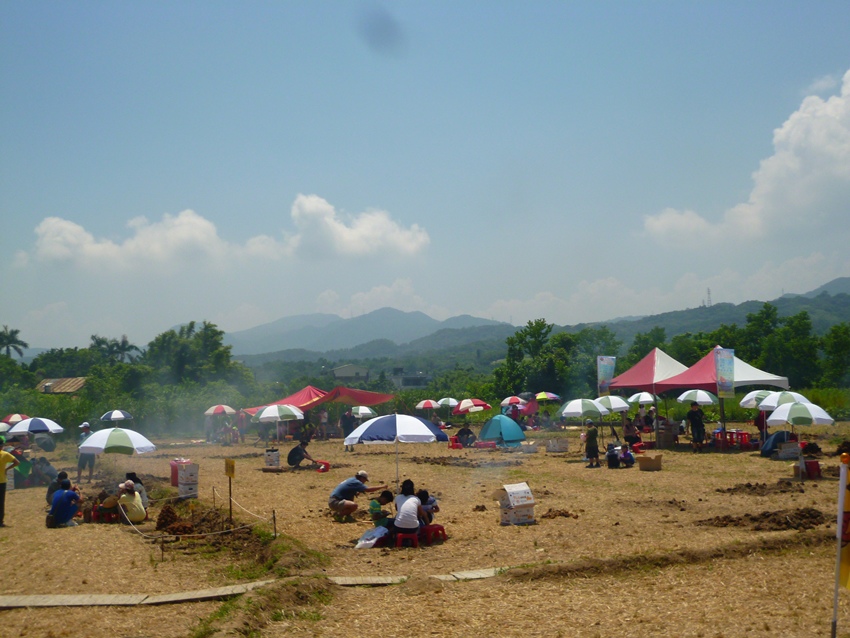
628,557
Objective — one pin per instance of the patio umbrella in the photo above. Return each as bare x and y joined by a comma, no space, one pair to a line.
278,412
799,413
642,398
776,399
220,409
11,419
395,428
703,397
447,402
116,415
614,403
116,441
583,408
470,405
34,426
428,404
752,399
512,400
363,412
547,396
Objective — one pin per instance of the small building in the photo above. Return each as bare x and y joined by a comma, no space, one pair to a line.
351,372
68,385
403,380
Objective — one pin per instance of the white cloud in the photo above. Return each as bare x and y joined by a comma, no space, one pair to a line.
821,85
322,228
800,193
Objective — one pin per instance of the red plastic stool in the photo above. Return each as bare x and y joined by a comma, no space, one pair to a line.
454,443
430,532
400,538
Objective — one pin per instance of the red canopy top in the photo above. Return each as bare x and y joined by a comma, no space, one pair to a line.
309,397
648,373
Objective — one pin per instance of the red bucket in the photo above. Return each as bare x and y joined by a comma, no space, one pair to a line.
324,466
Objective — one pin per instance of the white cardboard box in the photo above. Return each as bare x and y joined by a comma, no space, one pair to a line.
516,503
558,445
187,490
272,458
187,474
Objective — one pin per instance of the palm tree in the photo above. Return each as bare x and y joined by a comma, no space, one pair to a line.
124,348
9,341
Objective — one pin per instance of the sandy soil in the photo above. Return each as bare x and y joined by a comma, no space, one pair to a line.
690,580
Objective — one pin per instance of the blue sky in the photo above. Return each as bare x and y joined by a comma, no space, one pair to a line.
240,162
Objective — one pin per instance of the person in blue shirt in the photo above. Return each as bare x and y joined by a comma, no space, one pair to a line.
65,504
341,501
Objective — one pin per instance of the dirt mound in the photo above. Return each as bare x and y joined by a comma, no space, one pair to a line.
843,447
167,517
556,513
799,519
418,585
812,449
830,470
479,508
763,489
452,461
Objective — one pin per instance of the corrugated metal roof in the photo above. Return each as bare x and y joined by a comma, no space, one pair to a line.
68,385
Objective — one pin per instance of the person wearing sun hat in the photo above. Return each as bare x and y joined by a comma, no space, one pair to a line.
341,501
85,459
131,502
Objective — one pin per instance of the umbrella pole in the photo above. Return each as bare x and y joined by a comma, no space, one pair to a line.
396,465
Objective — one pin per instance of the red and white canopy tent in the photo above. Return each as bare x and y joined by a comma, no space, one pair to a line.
703,376
647,373
310,397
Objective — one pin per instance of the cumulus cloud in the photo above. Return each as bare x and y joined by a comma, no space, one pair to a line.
821,85
189,238
321,227
800,191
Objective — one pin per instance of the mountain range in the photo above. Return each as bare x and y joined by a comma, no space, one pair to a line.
389,332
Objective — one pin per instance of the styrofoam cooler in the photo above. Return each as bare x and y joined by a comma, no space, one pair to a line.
187,490
187,474
272,457
175,464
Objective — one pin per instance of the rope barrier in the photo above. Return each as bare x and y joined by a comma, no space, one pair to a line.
232,500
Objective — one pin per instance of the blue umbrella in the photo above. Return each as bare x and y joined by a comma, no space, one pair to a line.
503,429
392,428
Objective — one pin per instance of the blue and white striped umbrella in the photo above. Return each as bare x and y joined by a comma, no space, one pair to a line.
392,428
34,426
116,415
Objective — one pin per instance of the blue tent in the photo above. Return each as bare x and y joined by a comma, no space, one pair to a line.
502,429
772,442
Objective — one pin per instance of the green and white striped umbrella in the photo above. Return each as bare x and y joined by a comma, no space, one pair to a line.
752,399
583,408
799,413
281,412
614,403
116,441
703,397
775,399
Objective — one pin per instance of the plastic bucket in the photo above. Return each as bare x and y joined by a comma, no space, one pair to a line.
324,466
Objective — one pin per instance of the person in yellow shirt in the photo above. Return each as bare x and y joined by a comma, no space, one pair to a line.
5,460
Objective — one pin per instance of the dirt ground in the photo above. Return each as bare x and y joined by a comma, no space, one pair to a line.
713,545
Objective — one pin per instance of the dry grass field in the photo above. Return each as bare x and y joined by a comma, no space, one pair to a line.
613,552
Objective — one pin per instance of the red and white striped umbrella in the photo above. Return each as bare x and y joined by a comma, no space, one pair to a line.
470,405
428,404
512,400
12,419
220,409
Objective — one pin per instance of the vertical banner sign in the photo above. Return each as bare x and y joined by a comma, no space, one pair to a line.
724,367
604,374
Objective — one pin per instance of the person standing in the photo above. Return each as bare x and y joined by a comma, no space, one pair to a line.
591,447
341,501
5,460
696,419
85,459
347,423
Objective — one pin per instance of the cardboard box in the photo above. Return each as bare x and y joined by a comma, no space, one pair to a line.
558,445
516,504
789,450
649,462
188,490
272,458
528,448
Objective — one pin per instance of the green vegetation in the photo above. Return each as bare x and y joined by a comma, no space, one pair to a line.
168,385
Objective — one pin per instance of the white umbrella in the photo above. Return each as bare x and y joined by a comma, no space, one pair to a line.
363,412
799,413
642,398
34,426
613,403
116,441
776,399
220,409
447,402
392,428
583,408
278,412
752,399
703,397
470,405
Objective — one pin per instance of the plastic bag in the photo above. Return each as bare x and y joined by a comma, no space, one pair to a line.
371,537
